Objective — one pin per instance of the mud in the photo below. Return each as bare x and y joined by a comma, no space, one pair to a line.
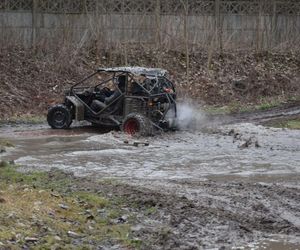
241,215
231,184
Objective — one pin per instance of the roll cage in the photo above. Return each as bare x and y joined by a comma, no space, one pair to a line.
157,86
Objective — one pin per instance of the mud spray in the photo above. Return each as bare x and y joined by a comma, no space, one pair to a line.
190,116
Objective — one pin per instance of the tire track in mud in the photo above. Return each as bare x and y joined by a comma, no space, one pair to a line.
230,216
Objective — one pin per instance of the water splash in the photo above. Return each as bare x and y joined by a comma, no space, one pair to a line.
190,116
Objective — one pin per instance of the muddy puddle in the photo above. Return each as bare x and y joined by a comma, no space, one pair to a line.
234,151
247,174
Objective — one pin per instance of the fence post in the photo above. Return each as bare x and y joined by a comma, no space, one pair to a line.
274,37
158,23
96,22
158,45
34,23
218,25
123,39
258,28
185,4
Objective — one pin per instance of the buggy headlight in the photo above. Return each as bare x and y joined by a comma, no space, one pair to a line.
150,103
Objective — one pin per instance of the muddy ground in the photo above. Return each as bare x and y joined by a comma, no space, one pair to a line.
225,182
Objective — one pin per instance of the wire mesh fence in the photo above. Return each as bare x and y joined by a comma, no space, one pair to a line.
172,23
168,7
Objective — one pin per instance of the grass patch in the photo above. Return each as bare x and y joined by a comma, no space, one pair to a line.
92,199
40,210
6,143
24,119
267,103
216,110
151,210
290,124
293,124
230,109
240,107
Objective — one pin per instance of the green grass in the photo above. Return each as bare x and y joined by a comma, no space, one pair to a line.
25,118
30,206
267,103
265,106
6,143
293,124
231,108
240,107
93,199
216,110
151,210
290,124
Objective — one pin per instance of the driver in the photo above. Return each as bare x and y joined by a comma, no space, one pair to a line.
118,91
108,96
102,94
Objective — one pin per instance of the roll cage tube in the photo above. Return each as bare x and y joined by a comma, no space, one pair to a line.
115,75
83,80
171,83
90,76
157,78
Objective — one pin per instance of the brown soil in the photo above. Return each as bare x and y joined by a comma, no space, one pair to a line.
226,214
31,81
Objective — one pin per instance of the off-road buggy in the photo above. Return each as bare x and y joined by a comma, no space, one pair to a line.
143,101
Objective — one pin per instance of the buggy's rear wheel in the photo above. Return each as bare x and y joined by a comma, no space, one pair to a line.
137,125
59,117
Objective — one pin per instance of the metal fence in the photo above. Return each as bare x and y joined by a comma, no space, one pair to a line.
168,7
231,23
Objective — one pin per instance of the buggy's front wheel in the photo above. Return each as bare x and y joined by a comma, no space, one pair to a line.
59,117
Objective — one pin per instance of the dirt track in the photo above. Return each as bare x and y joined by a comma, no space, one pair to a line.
229,184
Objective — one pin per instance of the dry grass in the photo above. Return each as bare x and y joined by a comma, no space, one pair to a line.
31,208
34,81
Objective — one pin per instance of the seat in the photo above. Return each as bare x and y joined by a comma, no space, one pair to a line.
98,105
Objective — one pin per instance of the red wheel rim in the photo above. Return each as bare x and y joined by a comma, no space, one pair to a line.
131,127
